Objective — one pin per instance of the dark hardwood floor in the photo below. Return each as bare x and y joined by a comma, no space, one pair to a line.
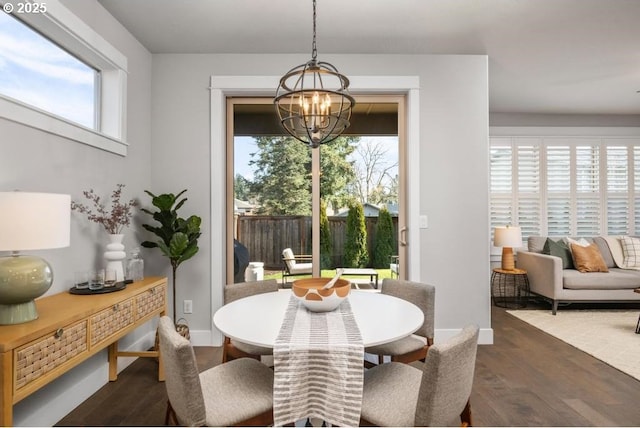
527,378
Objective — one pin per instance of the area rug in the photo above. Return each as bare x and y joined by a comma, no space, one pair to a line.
607,335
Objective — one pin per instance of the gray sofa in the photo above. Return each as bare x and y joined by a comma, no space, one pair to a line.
547,277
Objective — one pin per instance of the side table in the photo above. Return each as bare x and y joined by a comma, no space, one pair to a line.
510,288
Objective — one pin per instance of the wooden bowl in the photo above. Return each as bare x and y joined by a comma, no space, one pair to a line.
309,292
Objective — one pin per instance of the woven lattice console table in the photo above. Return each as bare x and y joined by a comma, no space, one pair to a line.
70,329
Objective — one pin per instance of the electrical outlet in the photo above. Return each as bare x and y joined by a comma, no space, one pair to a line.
188,307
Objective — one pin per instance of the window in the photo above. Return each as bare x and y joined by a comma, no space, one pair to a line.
38,72
91,71
566,186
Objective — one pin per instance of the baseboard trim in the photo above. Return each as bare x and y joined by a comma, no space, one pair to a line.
202,338
485,336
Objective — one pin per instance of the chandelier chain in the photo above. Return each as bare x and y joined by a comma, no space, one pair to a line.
314,50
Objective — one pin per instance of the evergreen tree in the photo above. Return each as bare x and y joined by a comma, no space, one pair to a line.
337,174
241,188
355,246
383,247
281,184
282,178
326,244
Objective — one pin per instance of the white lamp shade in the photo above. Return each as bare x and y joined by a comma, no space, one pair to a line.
34,221
507,236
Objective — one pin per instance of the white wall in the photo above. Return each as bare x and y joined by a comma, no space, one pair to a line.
32,160
452,177
168,118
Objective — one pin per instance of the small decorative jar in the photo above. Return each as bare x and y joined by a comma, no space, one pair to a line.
135,266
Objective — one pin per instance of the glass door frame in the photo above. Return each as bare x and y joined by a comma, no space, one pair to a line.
399,99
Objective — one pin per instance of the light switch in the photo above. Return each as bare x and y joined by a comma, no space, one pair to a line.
424,221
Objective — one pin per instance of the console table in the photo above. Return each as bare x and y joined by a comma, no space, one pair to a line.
71,328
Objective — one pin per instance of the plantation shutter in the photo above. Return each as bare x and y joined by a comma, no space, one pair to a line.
617,190
529,189
558,190
501,172
558,186
587,212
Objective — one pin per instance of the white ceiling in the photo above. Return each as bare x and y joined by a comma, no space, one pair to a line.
545,56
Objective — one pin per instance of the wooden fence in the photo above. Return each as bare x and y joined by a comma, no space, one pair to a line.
266,236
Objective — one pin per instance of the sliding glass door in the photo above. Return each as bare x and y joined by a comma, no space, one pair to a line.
270,191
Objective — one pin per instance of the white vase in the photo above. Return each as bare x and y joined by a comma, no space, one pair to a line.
115,254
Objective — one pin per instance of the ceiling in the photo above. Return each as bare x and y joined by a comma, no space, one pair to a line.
545,56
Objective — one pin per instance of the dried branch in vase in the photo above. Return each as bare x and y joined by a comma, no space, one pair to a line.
113,220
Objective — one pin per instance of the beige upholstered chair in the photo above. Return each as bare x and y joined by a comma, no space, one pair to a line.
437,394
233,349
294,265
239,392
414,347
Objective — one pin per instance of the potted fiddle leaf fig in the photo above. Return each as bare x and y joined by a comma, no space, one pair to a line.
177,237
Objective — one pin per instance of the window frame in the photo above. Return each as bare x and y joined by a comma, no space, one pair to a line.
573,137
68,31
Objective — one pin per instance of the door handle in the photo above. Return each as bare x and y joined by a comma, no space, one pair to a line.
403,236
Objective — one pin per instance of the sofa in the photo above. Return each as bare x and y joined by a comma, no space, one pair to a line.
552,276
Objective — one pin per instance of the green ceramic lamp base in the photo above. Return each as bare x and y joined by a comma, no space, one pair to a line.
18,313
22,279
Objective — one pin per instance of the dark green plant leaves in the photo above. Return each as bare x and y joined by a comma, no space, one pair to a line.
178,237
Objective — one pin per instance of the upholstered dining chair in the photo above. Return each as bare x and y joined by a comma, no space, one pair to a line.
436,394
233,349
413,347
239,392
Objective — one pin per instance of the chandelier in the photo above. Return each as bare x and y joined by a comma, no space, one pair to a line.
312,100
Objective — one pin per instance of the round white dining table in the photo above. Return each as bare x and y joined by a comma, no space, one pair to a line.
257,319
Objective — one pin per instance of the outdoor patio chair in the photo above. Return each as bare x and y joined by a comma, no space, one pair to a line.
435,394
394,266
294,265
233,349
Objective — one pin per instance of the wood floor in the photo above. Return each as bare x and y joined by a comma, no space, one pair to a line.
527,378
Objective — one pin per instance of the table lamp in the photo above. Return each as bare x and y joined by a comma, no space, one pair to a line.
29,221
507,237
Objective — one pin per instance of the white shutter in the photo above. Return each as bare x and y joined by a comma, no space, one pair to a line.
587,191
558,190
528,173
566,186
501,171
617,195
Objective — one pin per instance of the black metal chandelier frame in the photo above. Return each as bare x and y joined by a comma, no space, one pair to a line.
312,100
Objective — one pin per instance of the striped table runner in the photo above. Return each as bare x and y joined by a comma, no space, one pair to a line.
318,362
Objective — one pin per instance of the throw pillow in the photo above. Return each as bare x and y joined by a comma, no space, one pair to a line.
588,259
559,249
630,251
582,242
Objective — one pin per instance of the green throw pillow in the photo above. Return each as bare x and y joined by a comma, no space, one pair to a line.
559,249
